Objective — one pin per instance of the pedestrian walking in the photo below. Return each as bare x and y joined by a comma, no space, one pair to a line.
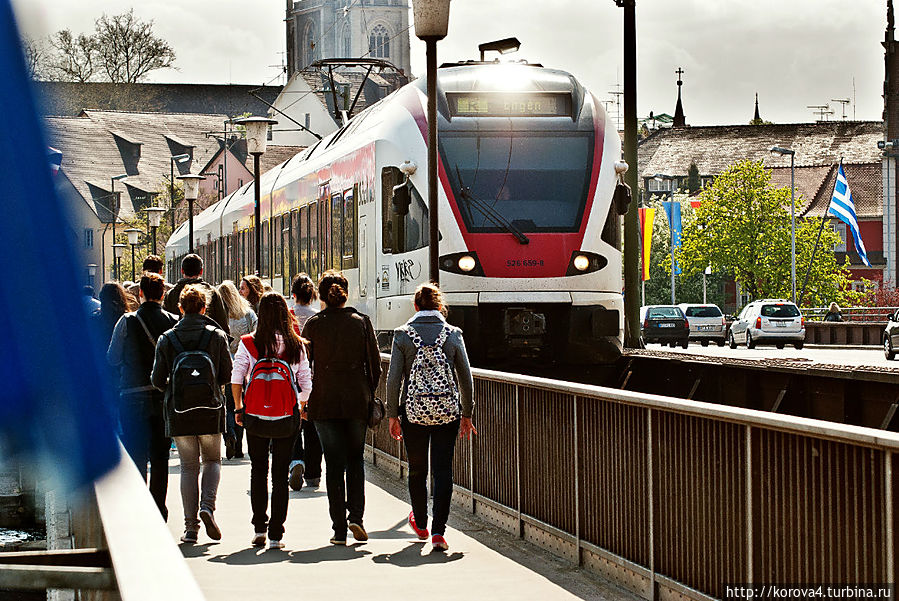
132,350
429,403
346,368
153,264
114,302
272,363
192,364
252,289
192,270
306,461
241,321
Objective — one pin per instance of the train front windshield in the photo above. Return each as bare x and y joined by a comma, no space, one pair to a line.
531,182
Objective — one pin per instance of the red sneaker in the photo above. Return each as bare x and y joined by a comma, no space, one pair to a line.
421,533
439,543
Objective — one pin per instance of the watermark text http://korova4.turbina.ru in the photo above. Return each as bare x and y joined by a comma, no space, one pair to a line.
756,591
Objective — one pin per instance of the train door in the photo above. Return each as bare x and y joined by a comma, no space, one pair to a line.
366,253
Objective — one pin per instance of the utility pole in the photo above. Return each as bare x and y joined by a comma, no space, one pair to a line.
631,219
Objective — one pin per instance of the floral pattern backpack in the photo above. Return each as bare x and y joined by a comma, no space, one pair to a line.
432,397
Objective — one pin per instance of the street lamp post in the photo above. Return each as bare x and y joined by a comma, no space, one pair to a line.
180,158
154,219
115,217
777,150
431,24
117,250
133,240
191,192
257,137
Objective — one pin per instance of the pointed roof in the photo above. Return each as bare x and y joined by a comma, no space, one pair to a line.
679,119
756,117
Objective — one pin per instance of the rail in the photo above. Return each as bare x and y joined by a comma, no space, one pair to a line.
121,545
672,497
869,314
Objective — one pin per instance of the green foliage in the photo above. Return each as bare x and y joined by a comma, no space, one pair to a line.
743,228
694,183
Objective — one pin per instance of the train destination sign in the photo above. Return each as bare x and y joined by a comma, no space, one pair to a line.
531,104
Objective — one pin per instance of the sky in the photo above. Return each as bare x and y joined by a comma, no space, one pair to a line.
793,53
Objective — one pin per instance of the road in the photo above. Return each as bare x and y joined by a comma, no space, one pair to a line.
856,357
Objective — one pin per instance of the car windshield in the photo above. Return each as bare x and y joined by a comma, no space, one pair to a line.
537,183
780,310
665,312
703,312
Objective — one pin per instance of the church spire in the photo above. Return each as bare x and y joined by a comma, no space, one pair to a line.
756,118
679,119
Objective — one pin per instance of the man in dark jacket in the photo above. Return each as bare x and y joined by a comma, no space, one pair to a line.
194,406
192,270
132,349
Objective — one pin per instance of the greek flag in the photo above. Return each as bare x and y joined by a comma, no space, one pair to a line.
843,208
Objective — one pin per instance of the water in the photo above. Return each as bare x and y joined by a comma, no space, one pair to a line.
10,539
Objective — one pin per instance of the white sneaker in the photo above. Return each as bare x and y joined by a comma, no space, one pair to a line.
258,539
275,544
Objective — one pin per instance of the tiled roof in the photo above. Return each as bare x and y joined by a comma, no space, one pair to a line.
91,156
274,156
865,182
59,98
714,148
377,86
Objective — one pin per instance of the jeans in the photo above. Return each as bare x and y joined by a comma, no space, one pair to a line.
308,449
143,435
343,443
199,492
258,447
442,442
231,426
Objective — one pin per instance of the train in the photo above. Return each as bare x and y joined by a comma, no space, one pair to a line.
529,215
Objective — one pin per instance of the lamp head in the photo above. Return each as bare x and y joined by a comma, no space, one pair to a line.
257,132
116,178
133,235
118,249
181,158
431,18
504,46
780,151
154,215
191,185
92,269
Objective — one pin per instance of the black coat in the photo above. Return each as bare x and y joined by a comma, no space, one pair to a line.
190,330
138,351
345,361
215,310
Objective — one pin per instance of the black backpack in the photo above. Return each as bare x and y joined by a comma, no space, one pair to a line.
193,382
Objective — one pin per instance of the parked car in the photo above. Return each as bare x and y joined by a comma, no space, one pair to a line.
706,323
768,321
891,337
665,324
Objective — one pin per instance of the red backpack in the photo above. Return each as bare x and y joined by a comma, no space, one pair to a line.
272,391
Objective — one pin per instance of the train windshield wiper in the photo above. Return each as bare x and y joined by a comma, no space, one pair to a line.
489,212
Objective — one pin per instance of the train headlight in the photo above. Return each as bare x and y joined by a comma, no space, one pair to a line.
467,263
581,263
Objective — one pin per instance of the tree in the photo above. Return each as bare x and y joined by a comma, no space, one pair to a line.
742,227
122,49
127,50
35,52
694,182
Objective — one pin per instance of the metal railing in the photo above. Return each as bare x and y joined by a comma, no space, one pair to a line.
876,314
120,547
663,495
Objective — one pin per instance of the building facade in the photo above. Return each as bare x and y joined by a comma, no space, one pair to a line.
318,29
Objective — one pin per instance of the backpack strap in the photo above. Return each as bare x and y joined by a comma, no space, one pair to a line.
206,338
442,336
248,342
413,335
143,324
176,342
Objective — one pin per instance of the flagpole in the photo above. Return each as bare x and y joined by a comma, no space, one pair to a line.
817,242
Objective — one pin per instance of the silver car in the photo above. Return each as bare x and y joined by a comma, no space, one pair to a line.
706,323
769,321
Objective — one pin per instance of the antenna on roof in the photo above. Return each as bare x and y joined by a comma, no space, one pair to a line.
844,102
616,95
822,110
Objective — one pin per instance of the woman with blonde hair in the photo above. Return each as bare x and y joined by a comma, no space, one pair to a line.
241,321
429,403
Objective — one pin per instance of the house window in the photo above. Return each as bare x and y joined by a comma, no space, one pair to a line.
379,42
840,228
88,238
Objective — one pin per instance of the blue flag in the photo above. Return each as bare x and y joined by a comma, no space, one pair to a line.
55,399
843,208
672,210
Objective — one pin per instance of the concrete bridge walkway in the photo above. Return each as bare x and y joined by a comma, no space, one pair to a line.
482,563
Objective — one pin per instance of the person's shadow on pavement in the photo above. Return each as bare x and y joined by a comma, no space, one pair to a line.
256,555
411,556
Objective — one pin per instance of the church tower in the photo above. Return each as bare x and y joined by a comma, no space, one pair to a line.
679,119
318,29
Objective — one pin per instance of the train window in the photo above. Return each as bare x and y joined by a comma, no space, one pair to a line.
304,240
348,260
406,229
390,176
314,242
277,246
295,249
266,246
251,251
337,231
417,226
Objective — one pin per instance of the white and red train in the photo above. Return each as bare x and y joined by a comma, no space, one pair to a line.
529,235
